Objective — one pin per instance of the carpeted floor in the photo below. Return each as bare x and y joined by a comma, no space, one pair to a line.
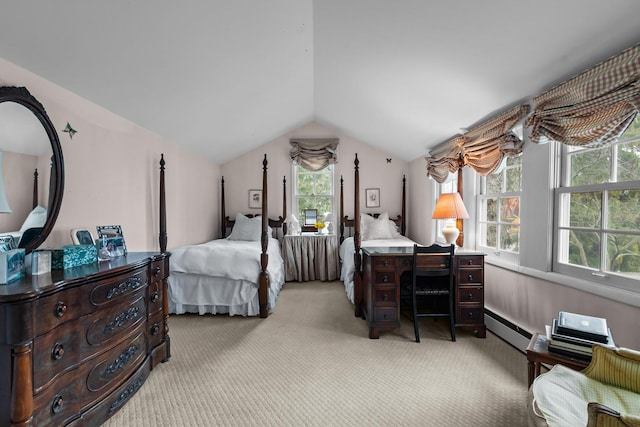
311,363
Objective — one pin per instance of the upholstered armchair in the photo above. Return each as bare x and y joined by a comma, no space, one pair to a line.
606,393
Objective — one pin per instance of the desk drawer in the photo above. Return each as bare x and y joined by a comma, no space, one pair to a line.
470,261
470,294
385,296
384,277
380,263
471,314
471,275
385,314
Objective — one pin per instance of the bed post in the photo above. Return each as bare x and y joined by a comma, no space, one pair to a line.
284,205
223,220
35,188
162,237
263,285
341,213
357,274
403,227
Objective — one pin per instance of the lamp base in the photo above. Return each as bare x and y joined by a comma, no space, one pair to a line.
450,232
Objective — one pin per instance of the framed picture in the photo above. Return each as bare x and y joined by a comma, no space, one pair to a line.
107,232
255,199
372,196
114,246
82,236
310,216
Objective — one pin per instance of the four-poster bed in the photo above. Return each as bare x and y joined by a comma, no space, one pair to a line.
240,274
366,229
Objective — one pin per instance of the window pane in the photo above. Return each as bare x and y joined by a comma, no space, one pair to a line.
494,183
584,209
623,254
624,210
489,235
510,209
514,174
324,206
629,162
323,184
509,238
584,248
590,167
305,184
492,209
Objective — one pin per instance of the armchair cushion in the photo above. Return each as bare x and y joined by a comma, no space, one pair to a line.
561,397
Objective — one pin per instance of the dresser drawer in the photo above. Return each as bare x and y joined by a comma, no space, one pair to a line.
80,388
155,296
120,287
71,343
470,294
61,307
159,270
471,314
381,263
155,326
470,275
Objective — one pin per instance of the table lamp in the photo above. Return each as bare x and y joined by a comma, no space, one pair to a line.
450,207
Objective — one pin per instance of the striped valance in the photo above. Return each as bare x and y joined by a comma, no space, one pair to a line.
593,108
482,148
314,154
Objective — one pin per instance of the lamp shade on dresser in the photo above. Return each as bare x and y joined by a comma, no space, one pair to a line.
76,344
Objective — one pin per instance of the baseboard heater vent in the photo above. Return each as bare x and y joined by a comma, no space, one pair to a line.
507,330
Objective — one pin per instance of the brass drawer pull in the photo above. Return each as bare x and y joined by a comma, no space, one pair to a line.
470,262
156,271
155,329
471,315
385,297
471,277
155,297
57,351
60,309
470,296
385,263
385,279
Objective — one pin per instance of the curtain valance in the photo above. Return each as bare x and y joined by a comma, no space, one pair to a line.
314,154
482,148
593,108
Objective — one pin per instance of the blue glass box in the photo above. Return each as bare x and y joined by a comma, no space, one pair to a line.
72,256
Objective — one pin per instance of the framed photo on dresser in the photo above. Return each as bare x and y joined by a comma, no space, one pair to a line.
110,238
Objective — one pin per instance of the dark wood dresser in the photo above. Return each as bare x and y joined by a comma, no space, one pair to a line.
377,291
76,344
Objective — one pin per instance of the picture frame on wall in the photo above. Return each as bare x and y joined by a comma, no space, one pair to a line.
372,197
255,199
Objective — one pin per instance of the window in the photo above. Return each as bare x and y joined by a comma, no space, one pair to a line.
597,210
449,186
499,211
313,190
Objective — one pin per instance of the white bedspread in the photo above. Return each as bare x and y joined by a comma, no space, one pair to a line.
221,276
347,249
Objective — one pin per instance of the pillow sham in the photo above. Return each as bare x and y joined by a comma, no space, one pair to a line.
248,229
375,228
36,218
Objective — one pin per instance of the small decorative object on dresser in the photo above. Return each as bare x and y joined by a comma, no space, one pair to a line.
40,262
110,238
11,265
82,236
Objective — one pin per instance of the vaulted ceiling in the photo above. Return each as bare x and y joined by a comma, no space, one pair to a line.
223,77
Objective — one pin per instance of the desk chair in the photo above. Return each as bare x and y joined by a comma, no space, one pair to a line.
432,276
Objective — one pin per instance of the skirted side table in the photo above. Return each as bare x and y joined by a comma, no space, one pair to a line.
311,257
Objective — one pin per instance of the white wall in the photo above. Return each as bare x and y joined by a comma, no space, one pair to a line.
245,172
112,173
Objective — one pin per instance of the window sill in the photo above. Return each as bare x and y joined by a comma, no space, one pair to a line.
615,294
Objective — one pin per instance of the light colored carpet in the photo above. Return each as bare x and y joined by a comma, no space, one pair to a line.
311,363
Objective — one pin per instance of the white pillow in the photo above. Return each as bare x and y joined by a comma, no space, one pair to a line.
36,218
249,229
393,229
375,228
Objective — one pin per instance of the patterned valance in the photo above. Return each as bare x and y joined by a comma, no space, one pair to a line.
482,148
592,109
314,154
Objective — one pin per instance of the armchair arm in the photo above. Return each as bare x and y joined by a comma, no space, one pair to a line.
618,367
603,416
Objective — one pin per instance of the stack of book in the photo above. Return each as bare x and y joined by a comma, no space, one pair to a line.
574,335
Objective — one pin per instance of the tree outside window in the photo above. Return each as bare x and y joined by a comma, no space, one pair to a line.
314,190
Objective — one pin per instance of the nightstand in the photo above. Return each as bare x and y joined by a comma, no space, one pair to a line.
538,353
310,257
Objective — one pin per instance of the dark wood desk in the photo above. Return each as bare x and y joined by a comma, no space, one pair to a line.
377,288
538,353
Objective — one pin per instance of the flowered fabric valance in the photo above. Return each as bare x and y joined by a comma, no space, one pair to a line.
592,109
482,148
314,154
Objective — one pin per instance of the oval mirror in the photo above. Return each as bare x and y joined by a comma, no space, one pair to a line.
31,170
